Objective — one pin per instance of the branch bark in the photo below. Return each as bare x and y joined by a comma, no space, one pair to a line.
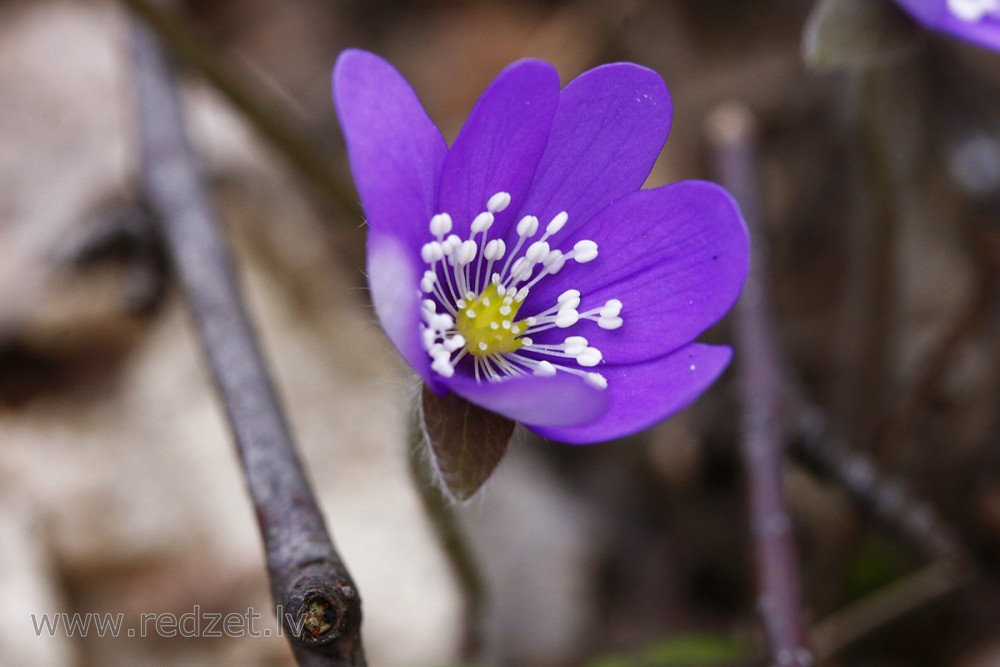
309,582
763,439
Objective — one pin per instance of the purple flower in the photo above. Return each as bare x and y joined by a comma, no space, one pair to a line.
522,268
976,21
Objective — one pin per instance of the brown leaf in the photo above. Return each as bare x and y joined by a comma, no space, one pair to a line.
466,441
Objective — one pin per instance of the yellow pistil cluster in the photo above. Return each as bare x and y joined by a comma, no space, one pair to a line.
487,323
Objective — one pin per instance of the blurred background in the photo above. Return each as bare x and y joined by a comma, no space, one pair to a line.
119,486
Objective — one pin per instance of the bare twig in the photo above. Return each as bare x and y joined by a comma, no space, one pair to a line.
309,582
777,572
884,498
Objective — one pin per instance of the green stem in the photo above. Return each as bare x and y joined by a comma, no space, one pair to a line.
441,512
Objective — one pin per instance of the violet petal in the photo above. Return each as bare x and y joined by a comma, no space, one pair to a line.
610,126
396,151
675,256
393,275
559,400
500,144
641,395
936,15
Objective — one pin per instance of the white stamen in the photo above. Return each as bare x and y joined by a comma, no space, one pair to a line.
568,296
442,366
527,226
612,308
498,202
556,224
554,262
440,224
575,345
567,317
545,369
589,357
974,10
537,252
494,250
482,222
584,251
466,253
458,293
432,252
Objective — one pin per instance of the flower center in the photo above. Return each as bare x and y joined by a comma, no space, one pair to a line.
974,10
487,324
480,304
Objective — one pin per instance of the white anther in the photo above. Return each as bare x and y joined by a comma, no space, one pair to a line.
428,336
482,222
432,252
440,224
610,323
429,304
442,366
466,253
568,296
521,266
494,326
441,322
521,294
494,249
471,314
589,357
483,347
428,281
575,345
516,330
527,226
451,244
505,310
973,10
597,380
612,308
567,317
545,369
498,202
505,324
556,223
456,342
553,257
584,251
537,252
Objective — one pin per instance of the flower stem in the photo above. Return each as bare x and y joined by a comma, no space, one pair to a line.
869,307
309,581
448,531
